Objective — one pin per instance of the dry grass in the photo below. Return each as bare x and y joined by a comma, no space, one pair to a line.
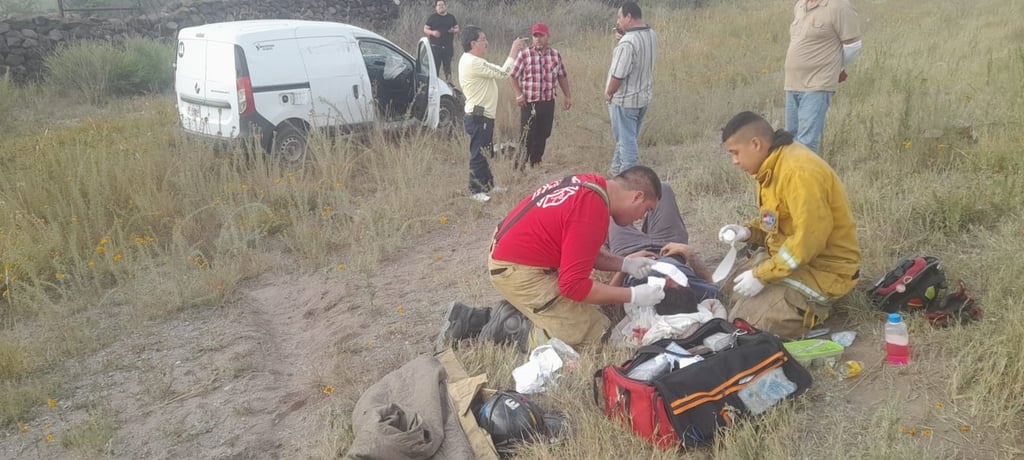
117,209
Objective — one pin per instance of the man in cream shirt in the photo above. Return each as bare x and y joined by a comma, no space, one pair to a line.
479,81
824,39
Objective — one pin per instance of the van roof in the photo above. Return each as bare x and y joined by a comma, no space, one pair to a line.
243,32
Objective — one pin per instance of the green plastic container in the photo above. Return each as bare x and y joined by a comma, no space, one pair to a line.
814,352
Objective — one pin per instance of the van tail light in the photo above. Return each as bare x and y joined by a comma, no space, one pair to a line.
246,105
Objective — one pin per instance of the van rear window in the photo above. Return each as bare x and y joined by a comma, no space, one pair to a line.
241,67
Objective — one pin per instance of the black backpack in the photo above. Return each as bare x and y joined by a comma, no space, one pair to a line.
914,285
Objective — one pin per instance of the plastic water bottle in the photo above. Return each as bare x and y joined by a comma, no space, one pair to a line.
897,341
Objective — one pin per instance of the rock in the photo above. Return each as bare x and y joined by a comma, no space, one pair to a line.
28,33
30,43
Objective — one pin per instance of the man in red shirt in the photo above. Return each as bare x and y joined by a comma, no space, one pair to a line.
543,254
533,77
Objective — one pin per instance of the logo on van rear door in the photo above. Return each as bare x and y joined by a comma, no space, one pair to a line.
260,47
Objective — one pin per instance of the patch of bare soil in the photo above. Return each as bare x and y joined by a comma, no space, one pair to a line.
258,377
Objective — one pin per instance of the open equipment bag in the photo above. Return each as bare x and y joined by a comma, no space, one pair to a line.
687,405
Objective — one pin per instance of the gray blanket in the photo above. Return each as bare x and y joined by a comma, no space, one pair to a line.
408,414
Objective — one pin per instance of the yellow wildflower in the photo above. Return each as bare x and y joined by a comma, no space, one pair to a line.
444,220
437,258
59,276
938,405
104,241
912,432
91,263
341,267
49,437
907,144
118,257
100,249
51,403
965,428
400,309
927,432
6,293
328,389
23,427
74,219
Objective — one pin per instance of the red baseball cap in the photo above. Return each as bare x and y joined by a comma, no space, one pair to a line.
539,28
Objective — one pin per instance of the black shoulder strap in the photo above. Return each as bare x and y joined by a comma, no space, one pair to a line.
506,224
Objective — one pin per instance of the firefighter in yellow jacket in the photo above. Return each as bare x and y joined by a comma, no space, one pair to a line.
810,255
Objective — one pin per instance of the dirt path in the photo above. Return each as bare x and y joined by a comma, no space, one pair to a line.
248,380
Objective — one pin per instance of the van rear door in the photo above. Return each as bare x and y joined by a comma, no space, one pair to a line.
205,85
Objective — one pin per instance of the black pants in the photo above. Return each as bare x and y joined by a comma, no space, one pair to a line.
536,119
443,59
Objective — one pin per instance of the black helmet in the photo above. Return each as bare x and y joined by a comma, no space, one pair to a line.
510,418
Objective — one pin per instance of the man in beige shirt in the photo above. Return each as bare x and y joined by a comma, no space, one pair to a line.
824,39
479,81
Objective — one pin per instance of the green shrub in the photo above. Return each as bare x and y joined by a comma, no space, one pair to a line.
21,7
99,70
150,64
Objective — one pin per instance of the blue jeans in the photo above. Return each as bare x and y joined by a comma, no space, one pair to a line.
481,137
625,129
805,116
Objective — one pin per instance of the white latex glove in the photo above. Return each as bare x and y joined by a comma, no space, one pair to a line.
733,233
747,284
637,267
646,294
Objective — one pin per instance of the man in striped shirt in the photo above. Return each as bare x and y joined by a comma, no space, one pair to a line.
630,84
534,74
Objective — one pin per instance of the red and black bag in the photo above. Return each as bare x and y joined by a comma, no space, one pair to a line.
686,406
915,284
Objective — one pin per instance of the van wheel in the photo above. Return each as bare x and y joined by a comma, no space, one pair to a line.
289,143
446,121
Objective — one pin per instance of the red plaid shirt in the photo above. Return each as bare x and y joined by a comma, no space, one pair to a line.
537,73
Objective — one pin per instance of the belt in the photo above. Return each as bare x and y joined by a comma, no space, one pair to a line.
498,271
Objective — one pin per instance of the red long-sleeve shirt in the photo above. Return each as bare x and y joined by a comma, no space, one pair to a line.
564,230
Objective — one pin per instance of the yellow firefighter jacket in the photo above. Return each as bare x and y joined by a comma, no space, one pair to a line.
806,225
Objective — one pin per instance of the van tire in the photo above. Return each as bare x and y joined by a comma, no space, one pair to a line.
289,143
447,120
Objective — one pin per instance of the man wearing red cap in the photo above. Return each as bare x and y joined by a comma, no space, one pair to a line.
533,77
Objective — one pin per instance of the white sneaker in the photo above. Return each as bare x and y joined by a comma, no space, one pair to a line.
481,197
499,189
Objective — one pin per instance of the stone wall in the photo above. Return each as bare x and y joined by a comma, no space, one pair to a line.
24,42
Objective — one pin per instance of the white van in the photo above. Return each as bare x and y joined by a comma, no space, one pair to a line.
278,79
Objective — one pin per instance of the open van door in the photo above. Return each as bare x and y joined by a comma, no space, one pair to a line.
428,99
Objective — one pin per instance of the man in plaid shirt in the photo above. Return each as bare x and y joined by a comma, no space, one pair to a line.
533,77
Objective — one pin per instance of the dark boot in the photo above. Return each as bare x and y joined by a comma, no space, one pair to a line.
461,323
508,326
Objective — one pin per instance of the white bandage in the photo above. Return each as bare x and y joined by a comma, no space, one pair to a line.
850,53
